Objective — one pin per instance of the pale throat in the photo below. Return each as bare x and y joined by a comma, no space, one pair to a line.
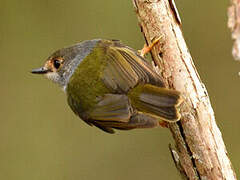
56,78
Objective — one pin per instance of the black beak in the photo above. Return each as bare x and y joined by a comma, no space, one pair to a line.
41,70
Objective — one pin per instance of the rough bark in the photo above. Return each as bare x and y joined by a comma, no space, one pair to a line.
234,25
201,153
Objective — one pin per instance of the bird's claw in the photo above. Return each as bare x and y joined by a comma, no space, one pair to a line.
146,49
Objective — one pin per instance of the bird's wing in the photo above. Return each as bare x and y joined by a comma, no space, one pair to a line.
125,69
118,73
111,111
112,107
114,111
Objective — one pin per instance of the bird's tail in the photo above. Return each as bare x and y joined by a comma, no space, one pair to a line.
156,101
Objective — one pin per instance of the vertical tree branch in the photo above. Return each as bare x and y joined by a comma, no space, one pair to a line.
234,25
200,148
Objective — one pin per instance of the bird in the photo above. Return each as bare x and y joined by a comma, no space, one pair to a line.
112,86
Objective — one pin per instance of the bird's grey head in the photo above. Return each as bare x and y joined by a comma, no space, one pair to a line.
60,66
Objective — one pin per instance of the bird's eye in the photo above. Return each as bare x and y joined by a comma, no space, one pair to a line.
56,63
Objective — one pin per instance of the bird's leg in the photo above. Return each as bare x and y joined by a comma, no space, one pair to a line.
147,48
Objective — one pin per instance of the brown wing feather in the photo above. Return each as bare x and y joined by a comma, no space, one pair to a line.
112,107
125,69
141,67
118,74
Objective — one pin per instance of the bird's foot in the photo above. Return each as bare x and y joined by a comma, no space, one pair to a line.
147,48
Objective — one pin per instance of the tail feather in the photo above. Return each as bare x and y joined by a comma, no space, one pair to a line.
157,101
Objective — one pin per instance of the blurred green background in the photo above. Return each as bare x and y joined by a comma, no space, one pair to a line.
40,138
